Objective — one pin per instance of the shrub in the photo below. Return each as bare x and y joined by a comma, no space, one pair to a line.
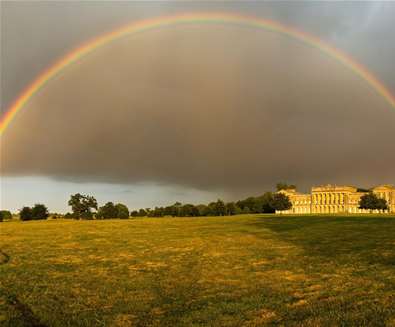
122,211
5,215
39,211
26,213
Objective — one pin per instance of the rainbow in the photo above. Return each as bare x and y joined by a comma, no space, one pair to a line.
183,19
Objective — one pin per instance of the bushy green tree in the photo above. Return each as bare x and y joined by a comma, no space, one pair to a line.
217,208
188,210
231,209
55,215
122,211
267,199
168,211
107,211
26,214
134,213
156,212
246,210
371,201
203,210
39,211
142,213
280,202
5,215
82,206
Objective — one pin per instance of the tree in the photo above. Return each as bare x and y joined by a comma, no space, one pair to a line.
134,213
371,202
107,211
217,208
246,210
82,205
26,213
188,210
168,211
203,210
231,209
122,211
176,209
55,215
142,213
39,211
285,186
267,199
156,212
5,215
280,202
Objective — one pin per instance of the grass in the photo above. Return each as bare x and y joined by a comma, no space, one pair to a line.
221,271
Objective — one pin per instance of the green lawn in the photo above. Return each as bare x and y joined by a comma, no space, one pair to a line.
221,271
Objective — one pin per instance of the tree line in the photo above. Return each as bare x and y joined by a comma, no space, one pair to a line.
86,207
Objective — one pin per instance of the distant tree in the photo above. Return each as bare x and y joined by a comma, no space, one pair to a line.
68,215
168,211
5,215
55,215
258,205
231,209
134,213
267,199
107,211
176,209
218,208
156,212
39,211
188,210
280,202
142,213
26,214
82,206
122,211
246,210
87,215
371,202
249,205
285,186
203,210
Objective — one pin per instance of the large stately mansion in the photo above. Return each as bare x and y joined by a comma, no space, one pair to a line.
335,199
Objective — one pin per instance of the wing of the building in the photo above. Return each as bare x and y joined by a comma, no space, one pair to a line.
335,199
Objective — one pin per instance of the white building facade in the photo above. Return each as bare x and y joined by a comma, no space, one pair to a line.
335,199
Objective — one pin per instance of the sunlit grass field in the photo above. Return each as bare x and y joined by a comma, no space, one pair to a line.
248,270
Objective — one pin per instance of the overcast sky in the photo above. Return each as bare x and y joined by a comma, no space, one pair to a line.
195,112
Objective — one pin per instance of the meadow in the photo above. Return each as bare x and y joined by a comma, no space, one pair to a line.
251,270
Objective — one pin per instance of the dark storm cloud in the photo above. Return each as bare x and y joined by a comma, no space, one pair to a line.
211,107
206,108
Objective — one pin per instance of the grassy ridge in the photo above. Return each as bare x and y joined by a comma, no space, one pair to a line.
220,271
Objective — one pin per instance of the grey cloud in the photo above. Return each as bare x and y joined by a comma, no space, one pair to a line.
206,107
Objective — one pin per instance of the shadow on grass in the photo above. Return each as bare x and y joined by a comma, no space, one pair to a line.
367,238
